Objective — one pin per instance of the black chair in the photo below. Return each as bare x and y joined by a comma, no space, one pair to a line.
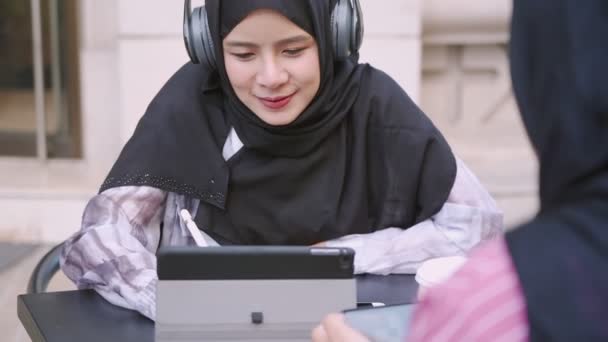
44,270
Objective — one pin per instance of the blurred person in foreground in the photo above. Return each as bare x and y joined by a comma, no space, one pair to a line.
547,280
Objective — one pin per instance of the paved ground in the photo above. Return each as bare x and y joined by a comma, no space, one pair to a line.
13,281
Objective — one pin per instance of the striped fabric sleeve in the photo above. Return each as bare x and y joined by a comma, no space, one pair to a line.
114,251
483,301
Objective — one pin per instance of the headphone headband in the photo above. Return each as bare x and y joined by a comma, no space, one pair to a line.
346,24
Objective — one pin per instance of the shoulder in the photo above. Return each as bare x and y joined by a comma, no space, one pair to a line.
180,102
389,103
379,81
188,82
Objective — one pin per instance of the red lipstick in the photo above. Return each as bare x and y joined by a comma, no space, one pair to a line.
277,102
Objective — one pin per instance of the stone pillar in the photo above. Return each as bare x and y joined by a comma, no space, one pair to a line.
151,49
466,89
392,40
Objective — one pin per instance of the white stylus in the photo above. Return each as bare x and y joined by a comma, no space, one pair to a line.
194,231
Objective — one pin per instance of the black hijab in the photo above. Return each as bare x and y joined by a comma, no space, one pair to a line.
361,157
333,101
559,60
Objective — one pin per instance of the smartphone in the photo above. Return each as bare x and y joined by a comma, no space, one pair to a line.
382,324
361,305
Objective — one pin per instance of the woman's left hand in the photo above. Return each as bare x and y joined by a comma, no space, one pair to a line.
334,329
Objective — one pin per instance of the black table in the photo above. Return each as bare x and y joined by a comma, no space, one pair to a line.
86,316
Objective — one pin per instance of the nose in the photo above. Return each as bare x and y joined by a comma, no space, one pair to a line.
271,74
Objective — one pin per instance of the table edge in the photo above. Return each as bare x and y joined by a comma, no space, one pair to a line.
28,321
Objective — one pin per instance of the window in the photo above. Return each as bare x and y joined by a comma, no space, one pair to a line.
39,85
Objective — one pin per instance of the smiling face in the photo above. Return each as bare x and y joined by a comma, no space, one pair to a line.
273,66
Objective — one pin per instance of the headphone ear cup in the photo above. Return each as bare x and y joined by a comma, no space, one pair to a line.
347,28
357,26
187,32
341,26
201,41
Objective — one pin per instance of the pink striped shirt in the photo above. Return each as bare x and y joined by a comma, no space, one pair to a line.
483,301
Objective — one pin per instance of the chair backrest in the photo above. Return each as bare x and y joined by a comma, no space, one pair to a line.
44,270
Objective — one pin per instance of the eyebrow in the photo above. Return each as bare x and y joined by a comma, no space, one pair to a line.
294,39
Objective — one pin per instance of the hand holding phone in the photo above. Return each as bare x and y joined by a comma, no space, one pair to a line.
381,324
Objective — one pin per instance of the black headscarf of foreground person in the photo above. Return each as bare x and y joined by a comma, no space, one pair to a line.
361,157
559,57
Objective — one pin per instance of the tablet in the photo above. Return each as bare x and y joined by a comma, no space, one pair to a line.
382,324
249,292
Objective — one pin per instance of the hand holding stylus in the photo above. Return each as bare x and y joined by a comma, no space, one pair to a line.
194,231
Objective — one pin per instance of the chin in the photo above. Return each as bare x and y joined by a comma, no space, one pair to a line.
278,120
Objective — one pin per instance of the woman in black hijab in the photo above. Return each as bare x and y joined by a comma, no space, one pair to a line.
548,280
280,142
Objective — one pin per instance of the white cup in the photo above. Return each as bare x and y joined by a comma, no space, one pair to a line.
435,271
